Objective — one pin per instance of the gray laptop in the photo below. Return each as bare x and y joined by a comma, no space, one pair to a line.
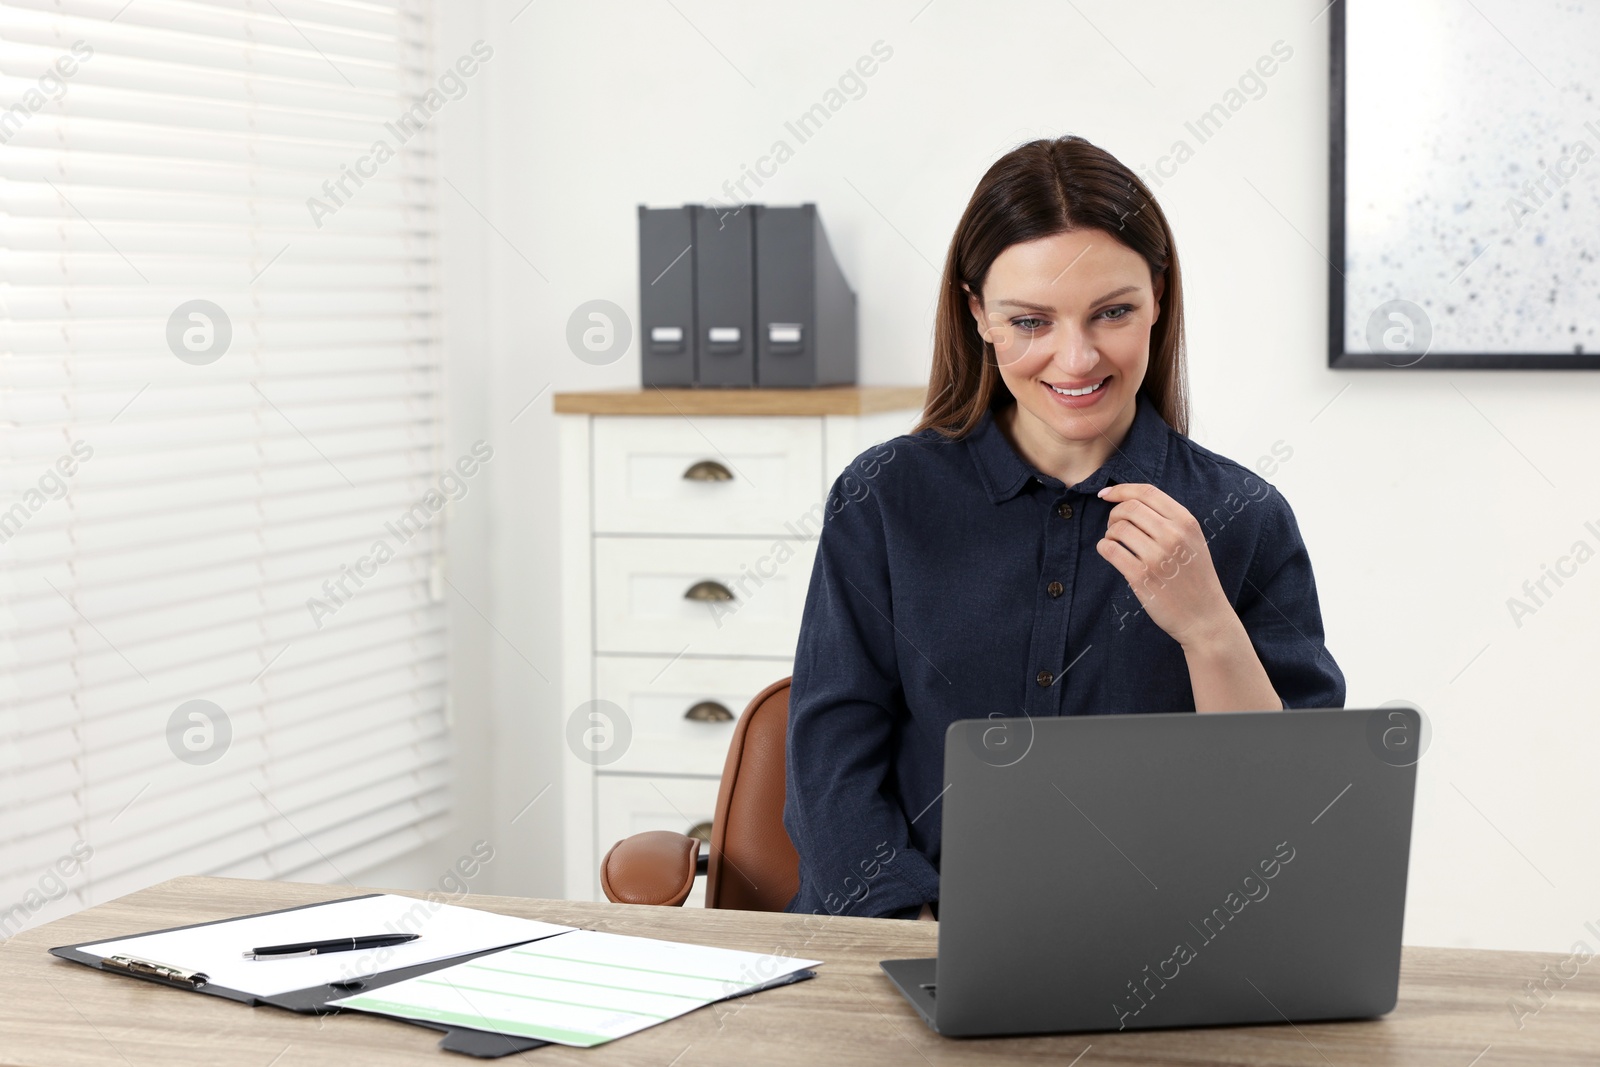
1136,871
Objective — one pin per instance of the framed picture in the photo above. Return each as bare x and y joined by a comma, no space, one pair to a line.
1465,185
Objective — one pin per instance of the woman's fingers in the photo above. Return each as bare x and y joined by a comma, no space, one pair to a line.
1118,555
1144,492
1146,518
1146,548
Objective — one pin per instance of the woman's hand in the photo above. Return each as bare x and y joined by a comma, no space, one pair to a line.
1160,548
927,913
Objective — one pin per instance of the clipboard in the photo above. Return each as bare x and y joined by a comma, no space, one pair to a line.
313,1000
484,1044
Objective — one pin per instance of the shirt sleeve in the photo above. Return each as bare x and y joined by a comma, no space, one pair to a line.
1279,608
846,708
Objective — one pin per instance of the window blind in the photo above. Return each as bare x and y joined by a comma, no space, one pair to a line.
219,391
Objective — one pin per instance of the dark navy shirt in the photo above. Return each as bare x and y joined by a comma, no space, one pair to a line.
955,581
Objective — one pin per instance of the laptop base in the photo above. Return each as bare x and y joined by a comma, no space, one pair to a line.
915,980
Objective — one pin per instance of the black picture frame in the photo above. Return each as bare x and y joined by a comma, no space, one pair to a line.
1338,358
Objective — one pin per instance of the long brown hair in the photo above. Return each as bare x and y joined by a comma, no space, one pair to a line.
1042,188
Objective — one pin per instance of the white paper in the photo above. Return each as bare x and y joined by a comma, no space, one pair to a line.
445,930
582,988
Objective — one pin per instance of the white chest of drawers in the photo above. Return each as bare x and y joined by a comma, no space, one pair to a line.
689,523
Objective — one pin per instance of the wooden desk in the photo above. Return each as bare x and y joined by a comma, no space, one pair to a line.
1452,1004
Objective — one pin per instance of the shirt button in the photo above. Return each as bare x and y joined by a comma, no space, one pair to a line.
1054,588
1044,678
1064,509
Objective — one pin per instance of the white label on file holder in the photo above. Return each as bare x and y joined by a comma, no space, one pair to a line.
783,333
666,335
723,335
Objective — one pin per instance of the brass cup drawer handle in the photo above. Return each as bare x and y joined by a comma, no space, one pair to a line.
708,470
709,711
708,590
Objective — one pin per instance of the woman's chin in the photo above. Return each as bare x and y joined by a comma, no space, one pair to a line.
1081,424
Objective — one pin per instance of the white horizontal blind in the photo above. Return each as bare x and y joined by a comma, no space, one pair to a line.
164,520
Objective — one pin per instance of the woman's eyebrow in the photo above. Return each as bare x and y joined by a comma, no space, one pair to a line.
1116,293
1046,307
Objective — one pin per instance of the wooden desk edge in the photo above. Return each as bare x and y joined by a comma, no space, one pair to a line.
275,895
205,890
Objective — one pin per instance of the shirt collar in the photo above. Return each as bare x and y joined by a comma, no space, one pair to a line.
1140,458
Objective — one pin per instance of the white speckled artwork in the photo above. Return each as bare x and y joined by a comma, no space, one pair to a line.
1472,174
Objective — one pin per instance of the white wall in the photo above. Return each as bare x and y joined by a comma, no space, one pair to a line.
1421,495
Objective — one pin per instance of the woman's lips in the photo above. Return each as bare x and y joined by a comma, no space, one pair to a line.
1087,400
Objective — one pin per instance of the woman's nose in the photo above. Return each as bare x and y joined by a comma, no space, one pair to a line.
1076,356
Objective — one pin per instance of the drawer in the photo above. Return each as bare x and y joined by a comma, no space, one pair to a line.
656,693
625,805
641,604
773,467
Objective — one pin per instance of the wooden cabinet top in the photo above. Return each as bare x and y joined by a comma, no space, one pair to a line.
829,400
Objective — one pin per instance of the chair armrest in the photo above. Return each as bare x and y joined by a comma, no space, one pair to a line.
654,867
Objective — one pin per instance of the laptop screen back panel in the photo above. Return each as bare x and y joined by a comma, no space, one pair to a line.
1121,872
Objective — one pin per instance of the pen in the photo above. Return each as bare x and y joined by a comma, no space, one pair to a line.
338,944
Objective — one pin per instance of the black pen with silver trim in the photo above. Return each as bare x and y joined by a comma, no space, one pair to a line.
337,944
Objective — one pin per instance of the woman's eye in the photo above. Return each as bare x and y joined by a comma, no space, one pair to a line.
1028,325
1122,312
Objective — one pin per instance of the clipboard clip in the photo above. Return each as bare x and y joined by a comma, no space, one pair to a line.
150,969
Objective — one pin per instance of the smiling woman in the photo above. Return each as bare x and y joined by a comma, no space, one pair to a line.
1047,223
1050,479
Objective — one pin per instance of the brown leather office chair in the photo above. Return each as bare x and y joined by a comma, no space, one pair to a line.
752,864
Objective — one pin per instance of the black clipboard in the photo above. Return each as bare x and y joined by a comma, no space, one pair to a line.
484,1044
314,1000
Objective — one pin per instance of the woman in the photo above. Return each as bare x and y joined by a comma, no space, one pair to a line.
1046,541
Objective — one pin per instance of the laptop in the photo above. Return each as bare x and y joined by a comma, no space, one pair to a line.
1122,872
